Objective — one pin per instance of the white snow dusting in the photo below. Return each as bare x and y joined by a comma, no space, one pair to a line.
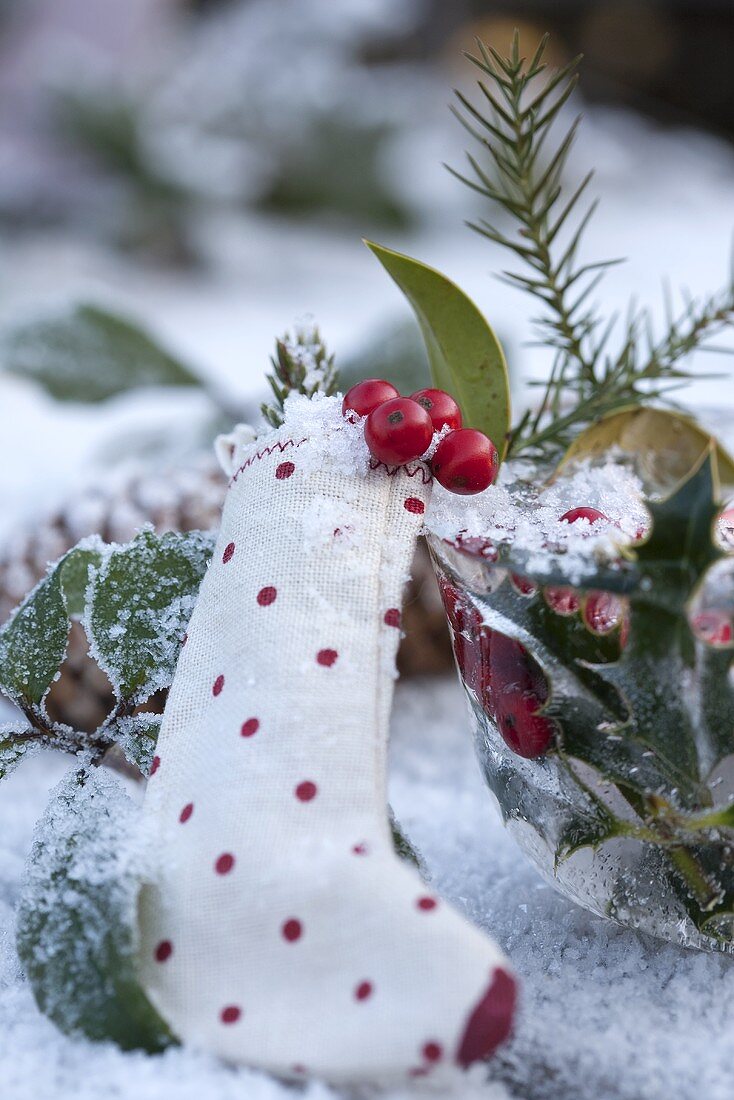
605,1014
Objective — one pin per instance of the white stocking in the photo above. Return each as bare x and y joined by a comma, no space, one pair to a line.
279,928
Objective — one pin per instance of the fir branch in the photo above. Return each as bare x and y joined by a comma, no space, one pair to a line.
522,101
300,365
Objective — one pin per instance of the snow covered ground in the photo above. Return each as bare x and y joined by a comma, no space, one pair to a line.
606,1014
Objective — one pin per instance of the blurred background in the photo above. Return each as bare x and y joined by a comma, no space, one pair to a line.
183,180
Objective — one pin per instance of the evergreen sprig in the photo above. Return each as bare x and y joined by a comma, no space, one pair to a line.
300,365
522,101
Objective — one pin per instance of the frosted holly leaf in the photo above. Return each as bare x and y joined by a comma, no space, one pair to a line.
85,353
13,747
33,641
137,737
138,606
77,918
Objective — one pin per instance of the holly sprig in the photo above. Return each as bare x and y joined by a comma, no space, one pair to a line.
651,717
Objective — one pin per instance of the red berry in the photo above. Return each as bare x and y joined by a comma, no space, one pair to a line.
726,526
602,612
465,462
564,601
476,546
593,515
528,734
523,585
398,431
441,408
514,694
366,396
714,627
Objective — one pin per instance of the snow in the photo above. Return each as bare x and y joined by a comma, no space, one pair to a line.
520,512
605,1013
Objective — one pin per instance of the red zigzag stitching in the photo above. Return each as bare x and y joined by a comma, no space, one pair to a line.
412,471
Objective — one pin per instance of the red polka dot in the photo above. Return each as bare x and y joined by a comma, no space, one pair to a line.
228,553
326,657
224,863
284,470
306,791
412,504
299,1068
155,765
163,951
292,930
392,617
360,849
490,1022
218,685
186,813
230,1014
185,638
426,904
363,991
433,1052
267,595
250,727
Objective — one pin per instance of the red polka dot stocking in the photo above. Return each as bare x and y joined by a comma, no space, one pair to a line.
278,927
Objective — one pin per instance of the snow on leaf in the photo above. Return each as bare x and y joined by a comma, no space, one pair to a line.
77,918
12,748
137,737
85,353
33,641
75,574
138,606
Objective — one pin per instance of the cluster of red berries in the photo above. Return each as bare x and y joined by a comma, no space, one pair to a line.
504,677
400,429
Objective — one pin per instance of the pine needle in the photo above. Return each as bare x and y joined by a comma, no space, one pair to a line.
524,174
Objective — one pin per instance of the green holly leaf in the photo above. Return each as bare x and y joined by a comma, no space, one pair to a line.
680,547
33,641
86,353
465,356
590,830
140,602
77,919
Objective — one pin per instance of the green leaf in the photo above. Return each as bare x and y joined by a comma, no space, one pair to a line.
77,919
464,354
587,831
33,641
141,599
88,354
402,846
75,570
137,736
13,749
681,543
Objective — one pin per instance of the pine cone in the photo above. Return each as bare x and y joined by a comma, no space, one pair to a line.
181,498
